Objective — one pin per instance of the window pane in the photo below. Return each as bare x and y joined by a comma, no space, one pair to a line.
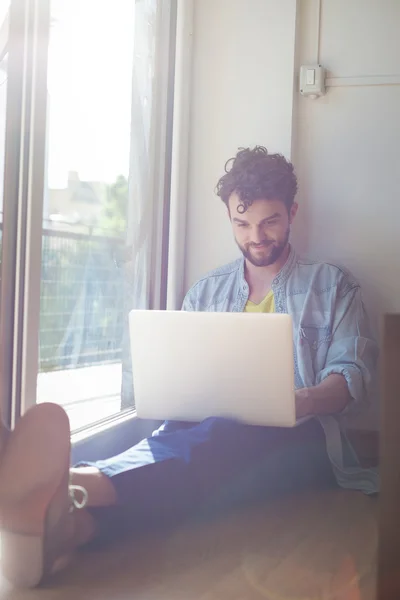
92,51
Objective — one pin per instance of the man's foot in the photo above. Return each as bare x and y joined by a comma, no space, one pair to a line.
36,501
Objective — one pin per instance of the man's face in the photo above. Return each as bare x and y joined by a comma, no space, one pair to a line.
262,232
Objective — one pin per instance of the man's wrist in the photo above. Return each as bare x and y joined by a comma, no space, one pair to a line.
309,401
304,402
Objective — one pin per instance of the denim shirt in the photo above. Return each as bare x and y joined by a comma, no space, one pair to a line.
330,332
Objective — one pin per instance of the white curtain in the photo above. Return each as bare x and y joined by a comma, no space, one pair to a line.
138,268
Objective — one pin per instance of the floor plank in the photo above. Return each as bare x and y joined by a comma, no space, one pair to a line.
312,546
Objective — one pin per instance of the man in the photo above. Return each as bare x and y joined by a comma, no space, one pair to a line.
195,469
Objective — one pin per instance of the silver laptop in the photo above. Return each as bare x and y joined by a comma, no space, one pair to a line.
188,366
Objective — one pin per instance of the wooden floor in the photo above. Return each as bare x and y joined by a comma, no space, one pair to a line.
314,546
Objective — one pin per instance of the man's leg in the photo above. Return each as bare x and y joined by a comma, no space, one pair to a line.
173,474
105,508
200,470
34,498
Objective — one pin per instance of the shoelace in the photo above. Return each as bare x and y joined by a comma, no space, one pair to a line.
75,503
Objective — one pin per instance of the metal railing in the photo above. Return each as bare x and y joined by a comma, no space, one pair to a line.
81,303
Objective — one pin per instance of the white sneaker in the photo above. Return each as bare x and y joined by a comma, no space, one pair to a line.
36,500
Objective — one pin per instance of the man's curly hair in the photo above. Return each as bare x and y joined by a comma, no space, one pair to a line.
256,175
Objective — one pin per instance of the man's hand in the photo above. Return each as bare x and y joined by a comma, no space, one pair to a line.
303,403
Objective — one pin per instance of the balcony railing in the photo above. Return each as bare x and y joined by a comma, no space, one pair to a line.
81,303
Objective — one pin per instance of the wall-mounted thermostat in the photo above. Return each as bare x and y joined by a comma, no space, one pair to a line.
312,81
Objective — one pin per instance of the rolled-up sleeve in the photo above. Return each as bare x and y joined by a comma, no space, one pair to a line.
352,352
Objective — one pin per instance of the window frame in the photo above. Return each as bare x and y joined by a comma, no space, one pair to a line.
29,22
22,221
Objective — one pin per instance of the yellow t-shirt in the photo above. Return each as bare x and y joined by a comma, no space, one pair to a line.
266,306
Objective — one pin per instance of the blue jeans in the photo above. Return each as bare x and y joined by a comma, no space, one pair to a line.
195,470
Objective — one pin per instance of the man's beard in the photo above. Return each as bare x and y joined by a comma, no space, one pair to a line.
265,261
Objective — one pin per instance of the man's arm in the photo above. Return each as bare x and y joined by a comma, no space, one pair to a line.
331,396
351,359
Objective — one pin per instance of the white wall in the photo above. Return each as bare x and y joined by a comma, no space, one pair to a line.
243,64
347,151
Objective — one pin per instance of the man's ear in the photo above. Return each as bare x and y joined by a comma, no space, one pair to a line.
293,212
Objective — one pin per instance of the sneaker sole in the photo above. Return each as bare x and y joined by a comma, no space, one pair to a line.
32,471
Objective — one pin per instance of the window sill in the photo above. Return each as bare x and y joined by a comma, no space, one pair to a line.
86,433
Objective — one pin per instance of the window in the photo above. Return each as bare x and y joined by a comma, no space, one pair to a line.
85,208
93,186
